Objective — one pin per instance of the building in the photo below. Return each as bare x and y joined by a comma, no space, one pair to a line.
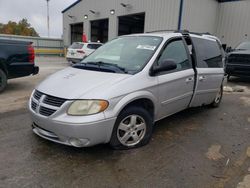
104,20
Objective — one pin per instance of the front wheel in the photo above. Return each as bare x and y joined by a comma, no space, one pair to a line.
218,98
3,80
133,128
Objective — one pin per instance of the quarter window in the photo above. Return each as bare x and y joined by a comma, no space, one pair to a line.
176,51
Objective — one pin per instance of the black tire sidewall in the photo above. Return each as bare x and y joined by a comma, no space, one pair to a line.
3,76
133,110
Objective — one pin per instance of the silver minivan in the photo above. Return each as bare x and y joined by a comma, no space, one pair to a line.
116,94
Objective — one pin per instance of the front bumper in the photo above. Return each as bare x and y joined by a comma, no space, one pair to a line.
238,70
75,134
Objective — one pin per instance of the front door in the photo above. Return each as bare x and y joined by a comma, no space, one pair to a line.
175,87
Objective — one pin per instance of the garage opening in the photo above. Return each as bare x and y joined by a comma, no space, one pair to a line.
76,32
99,30
131,24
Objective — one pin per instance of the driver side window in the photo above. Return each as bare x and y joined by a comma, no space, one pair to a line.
176,51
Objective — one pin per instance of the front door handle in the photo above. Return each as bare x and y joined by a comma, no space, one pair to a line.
202,78
189,79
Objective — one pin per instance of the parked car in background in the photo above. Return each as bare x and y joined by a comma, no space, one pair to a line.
16,60
116,94
79,50
238,61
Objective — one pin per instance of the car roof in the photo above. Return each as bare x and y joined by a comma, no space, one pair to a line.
157,34
169,34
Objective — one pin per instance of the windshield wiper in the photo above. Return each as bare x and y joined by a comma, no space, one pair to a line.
101,63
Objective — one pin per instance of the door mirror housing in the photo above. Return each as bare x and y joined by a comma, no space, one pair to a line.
165,65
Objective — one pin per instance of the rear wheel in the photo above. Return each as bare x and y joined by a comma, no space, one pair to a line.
3,80
133,128
218,98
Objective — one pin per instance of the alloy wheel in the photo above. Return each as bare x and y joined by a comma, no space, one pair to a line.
131,130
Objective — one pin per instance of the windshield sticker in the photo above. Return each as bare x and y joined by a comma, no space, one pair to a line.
146,47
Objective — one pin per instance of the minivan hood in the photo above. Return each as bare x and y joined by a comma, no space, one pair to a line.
73,83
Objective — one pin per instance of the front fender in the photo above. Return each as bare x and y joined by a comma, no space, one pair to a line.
118,104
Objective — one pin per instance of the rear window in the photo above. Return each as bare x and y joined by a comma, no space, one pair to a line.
94,46
76,45
208,53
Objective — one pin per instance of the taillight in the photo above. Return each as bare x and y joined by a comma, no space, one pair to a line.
31,52
80,51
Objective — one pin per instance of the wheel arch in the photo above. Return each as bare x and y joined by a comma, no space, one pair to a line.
144,99
3,68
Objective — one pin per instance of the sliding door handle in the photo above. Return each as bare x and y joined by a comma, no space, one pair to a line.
202,78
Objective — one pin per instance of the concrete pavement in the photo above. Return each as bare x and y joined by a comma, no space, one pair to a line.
199,147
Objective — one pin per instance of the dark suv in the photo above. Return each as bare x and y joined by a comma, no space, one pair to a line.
238,61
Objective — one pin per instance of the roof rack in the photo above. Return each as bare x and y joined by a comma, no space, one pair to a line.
181,31
196,33
171,30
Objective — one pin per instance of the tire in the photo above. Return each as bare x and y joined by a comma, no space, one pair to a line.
218,98
133,129
3,80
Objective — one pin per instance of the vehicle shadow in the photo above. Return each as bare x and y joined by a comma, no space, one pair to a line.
178,125
16,86
244,81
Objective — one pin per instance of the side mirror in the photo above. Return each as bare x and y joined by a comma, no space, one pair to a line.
229,49
165,65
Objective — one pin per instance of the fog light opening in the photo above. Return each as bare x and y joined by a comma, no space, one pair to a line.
78,142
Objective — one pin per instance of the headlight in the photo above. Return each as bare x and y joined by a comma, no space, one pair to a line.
87,107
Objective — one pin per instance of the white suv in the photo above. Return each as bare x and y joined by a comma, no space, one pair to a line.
79,50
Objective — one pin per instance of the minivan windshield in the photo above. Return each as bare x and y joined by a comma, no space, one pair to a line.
128,53
243,46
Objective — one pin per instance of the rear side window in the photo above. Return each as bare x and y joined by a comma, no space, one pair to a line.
94,46
76,45
208,53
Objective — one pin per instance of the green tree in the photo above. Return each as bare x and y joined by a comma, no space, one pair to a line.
21,28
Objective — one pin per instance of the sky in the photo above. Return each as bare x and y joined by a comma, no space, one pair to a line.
36,13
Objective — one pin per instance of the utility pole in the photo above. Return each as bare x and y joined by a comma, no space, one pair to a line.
48,16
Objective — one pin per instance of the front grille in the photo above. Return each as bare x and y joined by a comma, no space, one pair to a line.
37,95
54,101
239,59
46,111
33,105
45,105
